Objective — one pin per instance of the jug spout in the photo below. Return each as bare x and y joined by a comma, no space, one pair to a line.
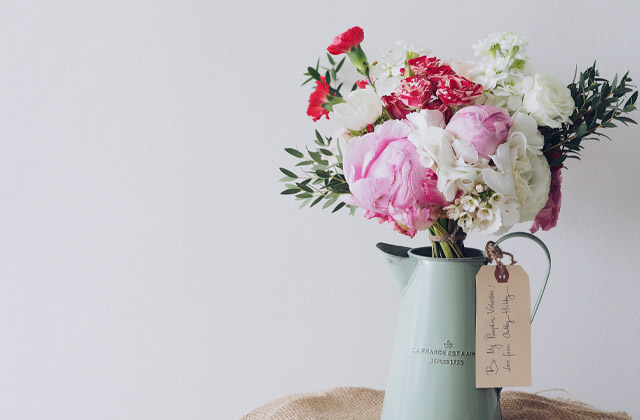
401,265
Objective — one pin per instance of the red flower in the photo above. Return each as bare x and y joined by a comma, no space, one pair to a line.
422,65
435,74
396,108
347,40
317,99
439,106
414,91
456,90
547,218
362,84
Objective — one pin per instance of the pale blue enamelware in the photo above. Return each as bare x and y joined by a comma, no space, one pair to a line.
437,317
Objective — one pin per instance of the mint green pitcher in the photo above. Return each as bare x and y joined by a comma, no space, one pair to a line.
432,371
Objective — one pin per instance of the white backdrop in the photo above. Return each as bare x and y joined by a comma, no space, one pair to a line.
149,268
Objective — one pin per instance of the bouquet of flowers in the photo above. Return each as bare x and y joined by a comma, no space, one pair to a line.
447,146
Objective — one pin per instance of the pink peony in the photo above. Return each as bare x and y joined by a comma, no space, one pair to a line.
486,127
547,218
387,180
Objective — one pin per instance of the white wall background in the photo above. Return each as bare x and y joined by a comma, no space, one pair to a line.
149,268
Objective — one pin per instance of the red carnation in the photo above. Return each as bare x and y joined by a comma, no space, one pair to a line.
395,107
420,66
317,99
414,91
437,73
345,41
362,84
456,90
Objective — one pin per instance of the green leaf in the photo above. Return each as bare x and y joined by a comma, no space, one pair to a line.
304,195
323,174
313,73
305,163
316,201
582,128
290,191
286,179
333,63
288,173
304,187
330,200
325,152
626,120
305,202
339,66
338,207
294,152
608,124
319,137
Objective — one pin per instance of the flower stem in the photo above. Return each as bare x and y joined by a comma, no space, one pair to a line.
445,249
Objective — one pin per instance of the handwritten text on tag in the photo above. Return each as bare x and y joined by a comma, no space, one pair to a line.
503,328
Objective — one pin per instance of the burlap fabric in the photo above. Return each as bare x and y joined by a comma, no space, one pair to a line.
366,404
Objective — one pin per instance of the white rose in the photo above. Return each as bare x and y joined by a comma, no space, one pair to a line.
362,107
547,100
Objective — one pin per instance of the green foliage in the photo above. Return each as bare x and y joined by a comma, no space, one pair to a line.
599,104
330,74
321,180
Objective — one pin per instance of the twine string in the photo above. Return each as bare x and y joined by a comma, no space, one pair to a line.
452,238
494,253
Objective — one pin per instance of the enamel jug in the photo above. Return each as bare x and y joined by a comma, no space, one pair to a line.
432,372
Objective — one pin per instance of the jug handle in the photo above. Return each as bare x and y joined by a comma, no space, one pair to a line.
546,252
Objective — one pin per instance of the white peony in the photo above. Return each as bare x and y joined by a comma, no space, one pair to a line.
362,107
547,100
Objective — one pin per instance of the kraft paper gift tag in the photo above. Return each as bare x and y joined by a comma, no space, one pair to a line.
503,327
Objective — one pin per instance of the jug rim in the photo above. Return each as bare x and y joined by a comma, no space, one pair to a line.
471,255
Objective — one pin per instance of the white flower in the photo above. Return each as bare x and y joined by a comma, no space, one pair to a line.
496,200
453,212
521,177
526,127
502,70
485,213
435,147
362,107
547,100
469,204
385,73
462,68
